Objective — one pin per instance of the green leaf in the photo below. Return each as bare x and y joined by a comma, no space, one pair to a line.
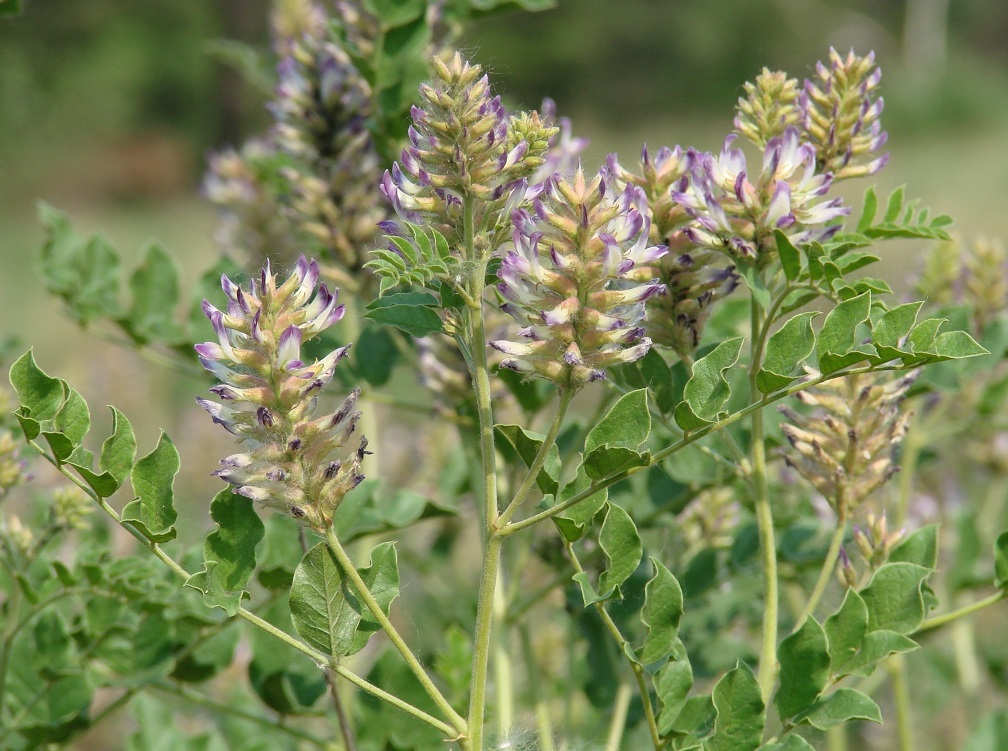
392,13
757,287
325,608
869,210
153,511
956,345
416,320
920,548
155,289
845,630
843,705
786,350
623,550
673,684
525,444
804,668
839,343
876,646
789,256
890,332
1001,561
228,552
611,446
575,520
662,611
791,743
895,598
279,553
374,355
740,712
119,449
707,391
372,510
39,395
280,675
404,298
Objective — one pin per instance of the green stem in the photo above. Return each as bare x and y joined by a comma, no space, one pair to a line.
826,572
492,542
361,588
686,440
901,697
566,395
767,673
624,646
316,656
940,620
503,684
619,714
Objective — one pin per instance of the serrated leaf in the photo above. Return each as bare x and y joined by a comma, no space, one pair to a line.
662,611
152,477
790,258
921,548
843,705
895,599
416,320
838,344
707,390
526,445
326,610
229,557
845,630
786,350
804,668
740,712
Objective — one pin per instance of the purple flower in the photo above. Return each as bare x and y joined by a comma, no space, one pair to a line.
567,279
269,394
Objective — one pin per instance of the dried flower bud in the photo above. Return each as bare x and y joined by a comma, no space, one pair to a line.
845,448
567,278
269,395
875,541
841,116
736,212
769,107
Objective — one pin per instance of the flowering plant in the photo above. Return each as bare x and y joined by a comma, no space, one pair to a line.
605,342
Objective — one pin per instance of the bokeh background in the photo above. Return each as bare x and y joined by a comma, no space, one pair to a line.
109,108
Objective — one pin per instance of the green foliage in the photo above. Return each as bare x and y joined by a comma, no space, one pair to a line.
152,512
327,612
740,712
415,260
804,668
707,391
613,444
412,312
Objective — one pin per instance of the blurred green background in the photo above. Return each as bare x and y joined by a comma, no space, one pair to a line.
109,108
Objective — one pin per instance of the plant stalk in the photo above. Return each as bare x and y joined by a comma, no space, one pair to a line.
826,572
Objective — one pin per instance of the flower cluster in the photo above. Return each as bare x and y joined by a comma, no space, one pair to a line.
568,278
840,115
769,107
736,211
695,277
295,463
321,108
463,146
845,448
975,275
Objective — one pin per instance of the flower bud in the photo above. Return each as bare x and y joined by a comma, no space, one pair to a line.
769,107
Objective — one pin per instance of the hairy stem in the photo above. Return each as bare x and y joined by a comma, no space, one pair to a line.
767,674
